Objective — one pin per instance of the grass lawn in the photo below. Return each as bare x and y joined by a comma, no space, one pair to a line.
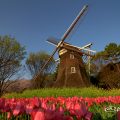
65,92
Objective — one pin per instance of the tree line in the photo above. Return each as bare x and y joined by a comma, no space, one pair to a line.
12,53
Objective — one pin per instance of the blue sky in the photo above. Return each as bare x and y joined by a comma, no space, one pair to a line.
31,22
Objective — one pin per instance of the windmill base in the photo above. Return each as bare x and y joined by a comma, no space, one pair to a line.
78,79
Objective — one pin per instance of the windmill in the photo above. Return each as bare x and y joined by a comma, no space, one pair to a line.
71,70
64,50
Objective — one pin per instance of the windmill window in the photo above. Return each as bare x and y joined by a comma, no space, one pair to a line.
111,68
71,56
73,70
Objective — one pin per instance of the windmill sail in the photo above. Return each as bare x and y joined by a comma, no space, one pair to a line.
62,40
52,41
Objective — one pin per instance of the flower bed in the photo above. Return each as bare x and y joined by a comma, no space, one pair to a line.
75,108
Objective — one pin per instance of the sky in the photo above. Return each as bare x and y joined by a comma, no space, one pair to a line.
32,22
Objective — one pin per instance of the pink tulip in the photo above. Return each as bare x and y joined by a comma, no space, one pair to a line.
35,102
51,108
88,116
9,115
37,115
19,109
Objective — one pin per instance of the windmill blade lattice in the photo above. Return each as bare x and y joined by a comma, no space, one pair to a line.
62,40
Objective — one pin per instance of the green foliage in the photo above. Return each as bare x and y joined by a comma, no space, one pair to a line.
34,63
111,53
101,114
36,60
11,49
11,55
105,65
3,116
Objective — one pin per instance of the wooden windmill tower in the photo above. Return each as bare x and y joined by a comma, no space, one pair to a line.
72,70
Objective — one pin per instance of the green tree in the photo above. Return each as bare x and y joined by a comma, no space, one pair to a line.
111,53
11,55
107,57
34,63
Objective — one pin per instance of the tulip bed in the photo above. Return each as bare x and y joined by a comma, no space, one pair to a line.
60,108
